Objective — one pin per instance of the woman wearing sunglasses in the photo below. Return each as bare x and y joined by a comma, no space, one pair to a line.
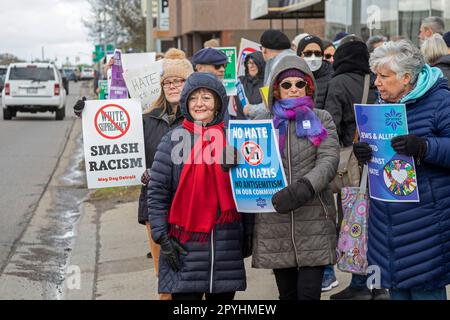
310,48
299,240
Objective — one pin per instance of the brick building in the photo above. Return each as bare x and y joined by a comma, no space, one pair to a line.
192,22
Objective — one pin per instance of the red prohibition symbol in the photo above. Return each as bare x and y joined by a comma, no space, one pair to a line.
253,153
112,121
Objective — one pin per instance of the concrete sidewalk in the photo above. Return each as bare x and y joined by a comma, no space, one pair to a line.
111,254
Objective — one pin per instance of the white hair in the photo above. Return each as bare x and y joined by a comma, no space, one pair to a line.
434,48
401,57
436,24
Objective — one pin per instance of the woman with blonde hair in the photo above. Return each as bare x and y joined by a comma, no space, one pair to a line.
435,52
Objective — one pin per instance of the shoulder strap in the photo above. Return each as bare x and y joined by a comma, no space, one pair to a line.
366,89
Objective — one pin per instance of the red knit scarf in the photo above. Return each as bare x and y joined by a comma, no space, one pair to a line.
203,188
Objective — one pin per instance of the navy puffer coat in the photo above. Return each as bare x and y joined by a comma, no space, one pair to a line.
218,265
410,242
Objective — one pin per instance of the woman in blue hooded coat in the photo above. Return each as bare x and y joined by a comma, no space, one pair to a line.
410,242
191,209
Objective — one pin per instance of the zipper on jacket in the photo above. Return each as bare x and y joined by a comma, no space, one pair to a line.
290,182
323,205
212,262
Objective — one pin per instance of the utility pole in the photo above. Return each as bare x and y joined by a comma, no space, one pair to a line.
149,27
114,23
43,54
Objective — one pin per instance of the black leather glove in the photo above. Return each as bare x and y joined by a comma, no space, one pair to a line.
293,196
145,179
230,158
363,152
410,145
247,246
171,249
79,107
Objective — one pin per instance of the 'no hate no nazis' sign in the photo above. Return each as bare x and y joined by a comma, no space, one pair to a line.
112,121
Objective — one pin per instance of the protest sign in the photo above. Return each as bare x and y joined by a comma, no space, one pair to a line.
260,173
132,61
145,83
247,47
117,87
264,91
103,89
113,138
229,81
241,93
392,177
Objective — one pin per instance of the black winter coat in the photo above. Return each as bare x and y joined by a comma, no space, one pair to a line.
218,265
323,77
156,125
443,63
344,90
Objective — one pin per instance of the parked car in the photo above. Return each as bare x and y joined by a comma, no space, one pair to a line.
33,87
87,74
70,73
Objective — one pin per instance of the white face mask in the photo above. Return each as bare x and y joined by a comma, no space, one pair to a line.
314,63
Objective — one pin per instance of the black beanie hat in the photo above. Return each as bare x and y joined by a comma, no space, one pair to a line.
307,40
275,40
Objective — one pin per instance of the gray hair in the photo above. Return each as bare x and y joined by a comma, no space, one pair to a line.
402,57
436,24
373,41
434,48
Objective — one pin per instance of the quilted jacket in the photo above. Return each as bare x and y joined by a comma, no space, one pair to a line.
218,265
307,236
410,242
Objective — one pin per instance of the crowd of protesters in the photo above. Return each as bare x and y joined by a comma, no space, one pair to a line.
199,241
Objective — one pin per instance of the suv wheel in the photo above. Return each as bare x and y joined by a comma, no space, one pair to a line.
7,114
61,113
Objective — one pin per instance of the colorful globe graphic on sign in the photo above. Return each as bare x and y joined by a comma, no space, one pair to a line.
400,178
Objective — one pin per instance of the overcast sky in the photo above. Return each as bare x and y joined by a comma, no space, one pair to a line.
28,25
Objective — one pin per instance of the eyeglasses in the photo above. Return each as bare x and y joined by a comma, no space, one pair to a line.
218,66
308,54
328,56
175,83
288,85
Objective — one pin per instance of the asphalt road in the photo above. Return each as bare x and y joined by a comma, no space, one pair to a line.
30,147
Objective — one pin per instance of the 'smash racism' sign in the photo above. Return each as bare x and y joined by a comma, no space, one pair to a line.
113,143
259,174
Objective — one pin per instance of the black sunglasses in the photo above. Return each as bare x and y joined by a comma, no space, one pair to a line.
299,84
328,56
218,66
308,54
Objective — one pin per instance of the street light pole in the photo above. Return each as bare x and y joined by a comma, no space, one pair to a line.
149,27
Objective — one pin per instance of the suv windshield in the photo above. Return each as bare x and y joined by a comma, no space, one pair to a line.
32,73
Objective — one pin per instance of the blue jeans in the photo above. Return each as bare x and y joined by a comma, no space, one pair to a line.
437,294
358,282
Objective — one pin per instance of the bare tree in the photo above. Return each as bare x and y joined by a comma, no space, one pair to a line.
7,58
119,20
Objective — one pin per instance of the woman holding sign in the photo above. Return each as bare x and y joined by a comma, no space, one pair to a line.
410,242
299,240
190,203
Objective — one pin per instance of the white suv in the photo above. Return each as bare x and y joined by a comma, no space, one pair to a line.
33,87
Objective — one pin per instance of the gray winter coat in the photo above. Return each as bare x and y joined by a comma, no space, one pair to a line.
307,236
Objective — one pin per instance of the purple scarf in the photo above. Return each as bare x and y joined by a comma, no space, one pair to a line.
307,123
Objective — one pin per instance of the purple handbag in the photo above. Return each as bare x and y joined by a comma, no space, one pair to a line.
352,243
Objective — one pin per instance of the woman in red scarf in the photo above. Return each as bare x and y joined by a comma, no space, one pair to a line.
191,208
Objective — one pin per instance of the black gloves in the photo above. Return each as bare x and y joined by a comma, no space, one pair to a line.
363,152
170,248
79,106
247,246
230,158
293,196
410,145
145,179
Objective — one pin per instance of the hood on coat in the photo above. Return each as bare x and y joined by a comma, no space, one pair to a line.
208,81
286,63
445,60
258,59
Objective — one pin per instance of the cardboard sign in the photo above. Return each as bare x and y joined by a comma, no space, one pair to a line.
145,83
113,138
117,88
230,78
247,47
132,61
392,177
260,173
